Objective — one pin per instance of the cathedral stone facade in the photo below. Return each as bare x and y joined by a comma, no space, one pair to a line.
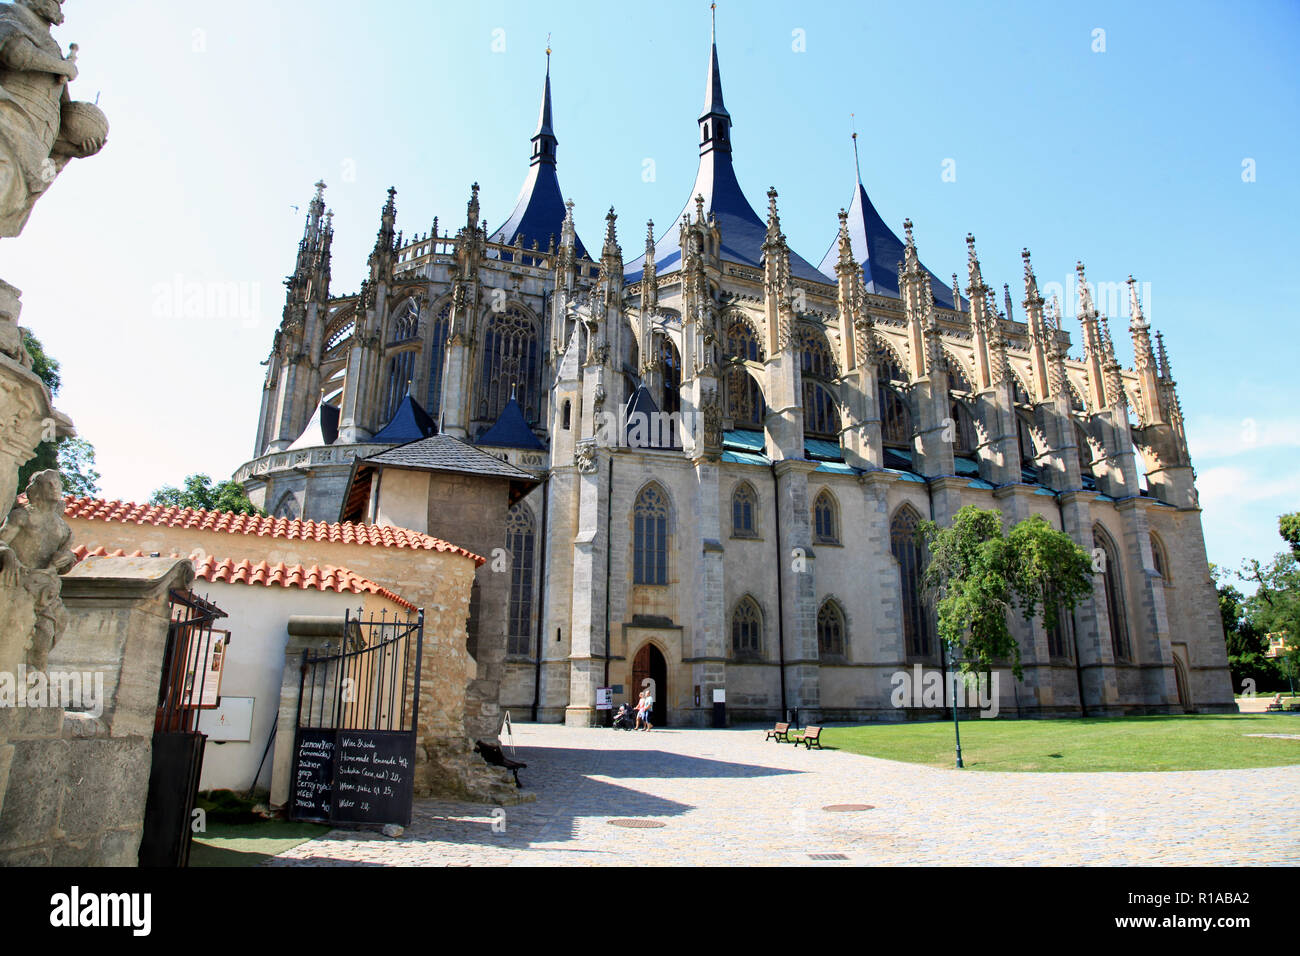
732,447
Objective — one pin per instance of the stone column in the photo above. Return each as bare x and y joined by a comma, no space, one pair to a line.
799,590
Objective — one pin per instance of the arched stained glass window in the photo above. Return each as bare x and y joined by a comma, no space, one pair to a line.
965,440
406,322
830,629
910,555
672,370
511,359
747,629
521,543
437,352
895,417
744,511
821,413
1113,581
826,519
650,537
401,369
745,404
742,342
817,360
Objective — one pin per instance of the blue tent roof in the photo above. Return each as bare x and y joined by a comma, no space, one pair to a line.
741,228
511,430
539,212
409,423
879,251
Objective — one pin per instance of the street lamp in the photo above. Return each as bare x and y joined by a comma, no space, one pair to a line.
952,683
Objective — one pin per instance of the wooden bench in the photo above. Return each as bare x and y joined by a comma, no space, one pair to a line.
1276,704
494,755
781,733
810,737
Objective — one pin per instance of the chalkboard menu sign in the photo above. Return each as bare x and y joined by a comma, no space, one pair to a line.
313,774
357,777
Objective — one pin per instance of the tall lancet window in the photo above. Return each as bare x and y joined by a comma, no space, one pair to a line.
830,629
511,359
520,542
437,352
672,369
910,555
1114,593
742,342
746,629
401,368
650,537
821,415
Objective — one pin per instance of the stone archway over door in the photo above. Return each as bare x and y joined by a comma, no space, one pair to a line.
649,665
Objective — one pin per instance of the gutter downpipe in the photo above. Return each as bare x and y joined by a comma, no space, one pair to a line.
780,585
609,531
541,596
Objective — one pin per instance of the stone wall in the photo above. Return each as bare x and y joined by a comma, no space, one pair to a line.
76,789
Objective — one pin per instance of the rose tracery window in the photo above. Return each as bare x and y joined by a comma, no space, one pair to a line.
511,360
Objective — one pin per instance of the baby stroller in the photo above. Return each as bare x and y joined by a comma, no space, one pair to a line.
625,718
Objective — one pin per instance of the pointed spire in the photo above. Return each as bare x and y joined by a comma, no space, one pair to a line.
956,296
544,141
1006,295
715,121
1162,356
1136,318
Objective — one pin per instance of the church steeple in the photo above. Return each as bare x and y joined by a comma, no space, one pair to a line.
544,141
715,121
538,217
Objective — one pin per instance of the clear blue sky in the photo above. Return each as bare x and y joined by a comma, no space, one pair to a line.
224,114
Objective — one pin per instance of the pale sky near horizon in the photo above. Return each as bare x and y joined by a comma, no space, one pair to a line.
224,115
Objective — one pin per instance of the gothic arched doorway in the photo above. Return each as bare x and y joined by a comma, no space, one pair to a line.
650,670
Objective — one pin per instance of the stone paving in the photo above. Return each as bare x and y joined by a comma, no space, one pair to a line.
728,798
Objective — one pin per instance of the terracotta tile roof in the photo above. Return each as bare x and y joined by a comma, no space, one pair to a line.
380,536
216,570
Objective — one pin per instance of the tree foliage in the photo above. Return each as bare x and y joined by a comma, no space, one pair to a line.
73,458
1289,527
978,575
200,493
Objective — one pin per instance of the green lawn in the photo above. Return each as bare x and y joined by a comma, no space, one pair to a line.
248,844
1208,742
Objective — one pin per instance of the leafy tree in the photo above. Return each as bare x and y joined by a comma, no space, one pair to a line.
73,458
1246,644
1289,527
200,493
978,575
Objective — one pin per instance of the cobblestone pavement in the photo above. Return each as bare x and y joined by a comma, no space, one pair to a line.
728,798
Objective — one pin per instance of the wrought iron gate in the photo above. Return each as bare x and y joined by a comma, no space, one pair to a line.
192,663
354,739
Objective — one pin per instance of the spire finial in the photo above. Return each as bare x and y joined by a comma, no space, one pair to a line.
1136,318
713,28
857,166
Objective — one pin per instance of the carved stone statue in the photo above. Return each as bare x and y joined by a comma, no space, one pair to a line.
33,554
41,127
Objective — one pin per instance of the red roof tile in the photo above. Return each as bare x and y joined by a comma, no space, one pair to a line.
215,570
380,536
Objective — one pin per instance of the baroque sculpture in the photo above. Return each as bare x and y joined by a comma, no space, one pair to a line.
41,129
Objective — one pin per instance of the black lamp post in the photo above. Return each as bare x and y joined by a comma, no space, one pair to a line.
952,683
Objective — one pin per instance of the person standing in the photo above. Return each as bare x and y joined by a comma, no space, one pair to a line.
648,699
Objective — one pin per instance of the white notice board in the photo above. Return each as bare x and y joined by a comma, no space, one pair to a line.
231,720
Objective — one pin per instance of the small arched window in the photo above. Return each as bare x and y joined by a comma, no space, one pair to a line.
815,355
521,543
406,321
964,440
910,555
671,364
1159,557
747,629
744,511
650,537
826,519
830,629
568,412
1114,586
